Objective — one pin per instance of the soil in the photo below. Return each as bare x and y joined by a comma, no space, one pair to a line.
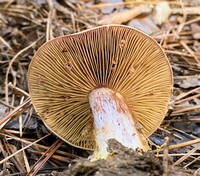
123,162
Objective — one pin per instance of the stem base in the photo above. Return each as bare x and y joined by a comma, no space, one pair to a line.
113,120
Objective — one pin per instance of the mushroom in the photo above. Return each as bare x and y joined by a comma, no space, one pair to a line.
107,82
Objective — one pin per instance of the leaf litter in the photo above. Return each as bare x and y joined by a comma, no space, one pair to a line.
28,147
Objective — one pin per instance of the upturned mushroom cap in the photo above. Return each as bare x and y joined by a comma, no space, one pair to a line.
66,69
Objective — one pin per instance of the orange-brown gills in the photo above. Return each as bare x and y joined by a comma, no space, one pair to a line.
66,69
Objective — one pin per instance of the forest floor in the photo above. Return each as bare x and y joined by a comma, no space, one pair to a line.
26,145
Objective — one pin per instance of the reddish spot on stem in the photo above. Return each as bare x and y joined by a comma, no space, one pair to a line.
120,103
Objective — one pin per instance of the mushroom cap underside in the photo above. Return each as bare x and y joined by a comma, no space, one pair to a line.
66,69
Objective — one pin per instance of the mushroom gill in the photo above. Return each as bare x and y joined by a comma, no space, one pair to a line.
66,70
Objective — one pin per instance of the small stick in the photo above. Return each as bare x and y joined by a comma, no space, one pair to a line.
6,43
183,120
17,89
57,157
180,160
178,154
187,99
189,51
189,108
197,172
180,27
166,131
192,21
165,157
183,144
20,119
9,106
195,159
178,53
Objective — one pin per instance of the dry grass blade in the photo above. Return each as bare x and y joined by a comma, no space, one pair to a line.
194,108
18,110
183,144
54,156
17,89
11,62
190,51
26,160
44,158
191,152
177,154
190,163
5,43
183,120
15,159
187,93
36,146
7,158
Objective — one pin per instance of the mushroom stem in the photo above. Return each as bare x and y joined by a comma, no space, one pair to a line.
113,120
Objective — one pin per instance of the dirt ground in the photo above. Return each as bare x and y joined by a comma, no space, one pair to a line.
27,146
123,161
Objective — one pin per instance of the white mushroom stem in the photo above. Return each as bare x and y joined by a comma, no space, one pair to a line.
113,120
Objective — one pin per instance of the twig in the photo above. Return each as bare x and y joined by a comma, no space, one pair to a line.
177,154
183,120
195,159
189,108
190,51
187,99
6,44
165,157
183,144
17,89
166,131
58,157
197,147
